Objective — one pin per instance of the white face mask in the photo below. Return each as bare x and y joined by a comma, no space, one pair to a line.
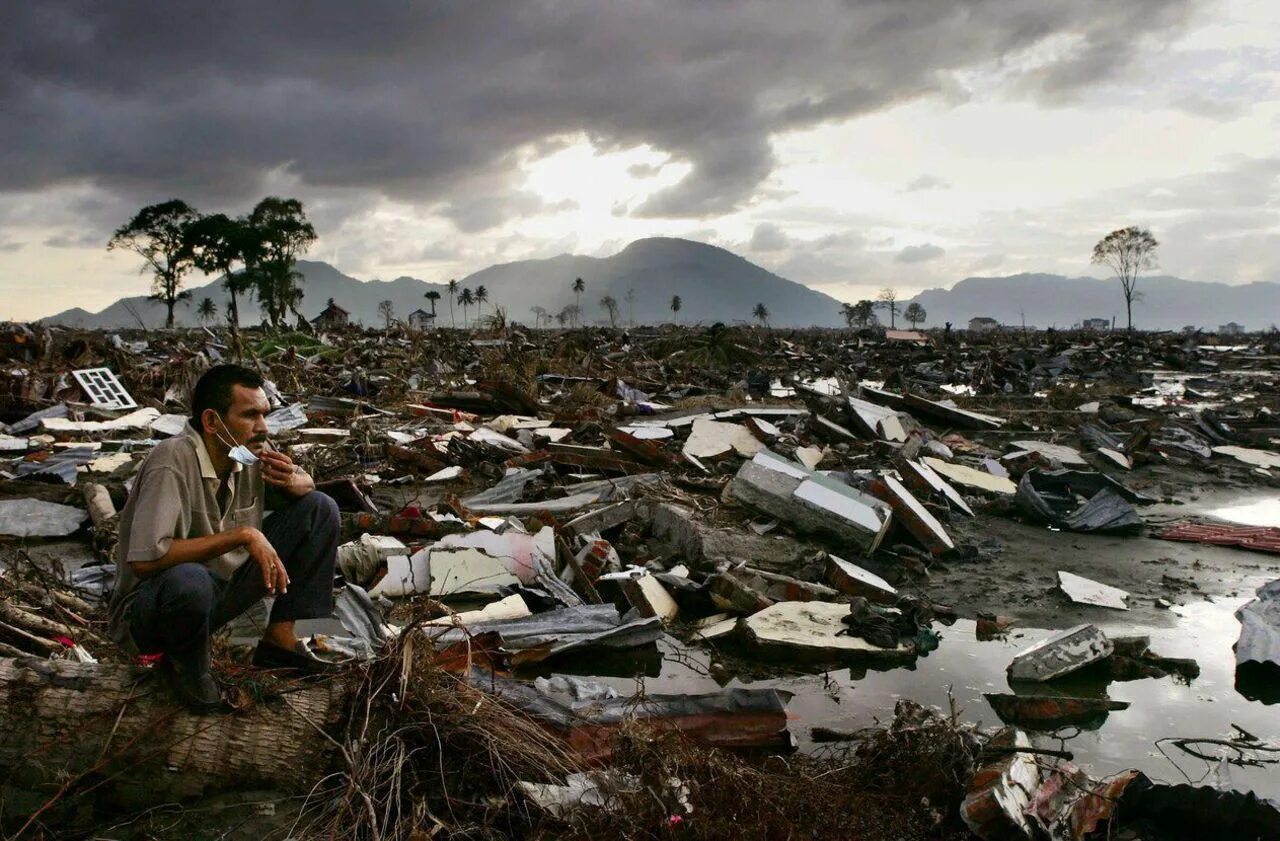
238,453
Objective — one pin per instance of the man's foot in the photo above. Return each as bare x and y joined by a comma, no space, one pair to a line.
195,687
270,656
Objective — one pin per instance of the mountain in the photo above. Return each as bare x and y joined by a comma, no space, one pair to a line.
717,285
1047,300
713,284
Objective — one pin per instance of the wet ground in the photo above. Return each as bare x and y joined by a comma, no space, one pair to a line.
1204,585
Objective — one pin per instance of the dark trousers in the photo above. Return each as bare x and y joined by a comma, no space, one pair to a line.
176,611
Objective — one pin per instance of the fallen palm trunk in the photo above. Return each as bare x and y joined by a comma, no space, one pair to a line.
74,728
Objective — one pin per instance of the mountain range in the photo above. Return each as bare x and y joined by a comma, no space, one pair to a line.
717,285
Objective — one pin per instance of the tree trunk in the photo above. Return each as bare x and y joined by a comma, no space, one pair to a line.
68,727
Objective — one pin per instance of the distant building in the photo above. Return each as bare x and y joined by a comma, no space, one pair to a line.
1231,329
332,316
982,323
421,320
1096,324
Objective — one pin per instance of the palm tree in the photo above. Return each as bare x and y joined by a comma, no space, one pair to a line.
466,299
432,296
578,288
675,306
761,314
453,293
482,295
207,310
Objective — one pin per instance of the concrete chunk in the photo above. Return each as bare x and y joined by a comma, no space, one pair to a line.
971,478
811,630
853,580
812,504
647,595
1083,590
1061,654
917,520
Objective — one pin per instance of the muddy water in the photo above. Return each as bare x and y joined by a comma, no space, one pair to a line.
848,699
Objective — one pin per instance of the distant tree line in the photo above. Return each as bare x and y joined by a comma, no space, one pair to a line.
173,238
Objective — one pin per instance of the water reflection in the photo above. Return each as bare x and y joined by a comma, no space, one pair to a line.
850,698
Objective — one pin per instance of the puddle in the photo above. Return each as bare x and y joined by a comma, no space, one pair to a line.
848,699
1260,512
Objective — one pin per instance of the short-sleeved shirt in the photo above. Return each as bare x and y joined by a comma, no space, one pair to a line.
178,495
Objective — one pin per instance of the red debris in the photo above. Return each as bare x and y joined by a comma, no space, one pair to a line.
1257,538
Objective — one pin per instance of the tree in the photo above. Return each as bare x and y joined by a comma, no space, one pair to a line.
578,288
915,314
217,242
158,234
761,314
482,295
610,305
281,234
573,314
562,316
864,314
453,293
207,310
888,299
387,310
432,296
466,298
848,313
1127,252
676,303
631,307
539,315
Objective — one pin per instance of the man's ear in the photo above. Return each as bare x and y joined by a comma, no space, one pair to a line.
209,421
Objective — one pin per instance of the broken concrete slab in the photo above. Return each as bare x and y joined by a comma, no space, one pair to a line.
142,419
814,631
1060,453
925,481
511,607
1060,654
647,595
1258,458
36,518
853,580
813,503
913,516
710,440
970,478
810,457
1083,590
715,626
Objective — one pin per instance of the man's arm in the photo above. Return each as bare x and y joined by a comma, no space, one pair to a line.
201,549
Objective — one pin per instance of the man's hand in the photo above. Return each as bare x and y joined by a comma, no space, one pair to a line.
278,469
274,576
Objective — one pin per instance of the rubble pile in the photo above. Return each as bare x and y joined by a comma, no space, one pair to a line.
537,501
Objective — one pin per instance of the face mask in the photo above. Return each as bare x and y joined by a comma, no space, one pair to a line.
238,453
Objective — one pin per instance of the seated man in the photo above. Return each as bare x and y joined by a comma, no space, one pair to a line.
194,552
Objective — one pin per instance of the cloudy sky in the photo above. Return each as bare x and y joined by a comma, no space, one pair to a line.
845,144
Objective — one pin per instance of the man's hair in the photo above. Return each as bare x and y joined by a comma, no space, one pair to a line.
213,390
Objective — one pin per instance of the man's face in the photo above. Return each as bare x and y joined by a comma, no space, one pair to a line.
246,420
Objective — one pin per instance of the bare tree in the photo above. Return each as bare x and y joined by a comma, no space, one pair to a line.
631,307
387,310
1127,252
539,315
610,305
888,299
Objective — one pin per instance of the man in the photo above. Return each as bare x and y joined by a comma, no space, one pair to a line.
194,551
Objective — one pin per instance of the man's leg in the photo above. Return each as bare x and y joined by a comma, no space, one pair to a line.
172,610
305,536
172,614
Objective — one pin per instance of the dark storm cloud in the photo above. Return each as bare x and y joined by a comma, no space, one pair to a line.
920,253
421,102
